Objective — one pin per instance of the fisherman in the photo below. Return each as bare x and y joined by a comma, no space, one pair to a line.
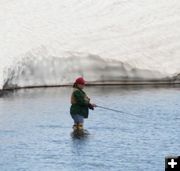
80,104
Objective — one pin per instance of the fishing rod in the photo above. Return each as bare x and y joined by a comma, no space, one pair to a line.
117,111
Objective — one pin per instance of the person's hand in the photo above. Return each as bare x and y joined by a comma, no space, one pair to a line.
94,105
91,106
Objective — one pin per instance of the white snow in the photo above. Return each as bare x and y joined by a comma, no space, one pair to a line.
45,42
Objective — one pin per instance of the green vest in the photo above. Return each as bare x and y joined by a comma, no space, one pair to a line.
79,103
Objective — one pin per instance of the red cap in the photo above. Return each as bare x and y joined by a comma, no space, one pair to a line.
80,80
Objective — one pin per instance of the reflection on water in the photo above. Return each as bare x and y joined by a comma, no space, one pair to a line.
80,134
36,129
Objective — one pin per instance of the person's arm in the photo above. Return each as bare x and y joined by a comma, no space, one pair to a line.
80,98
92,106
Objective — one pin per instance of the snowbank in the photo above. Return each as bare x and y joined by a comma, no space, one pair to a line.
48,42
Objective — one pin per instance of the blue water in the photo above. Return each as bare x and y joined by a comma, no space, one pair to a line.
35,130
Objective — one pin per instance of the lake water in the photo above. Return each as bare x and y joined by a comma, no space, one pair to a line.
35,130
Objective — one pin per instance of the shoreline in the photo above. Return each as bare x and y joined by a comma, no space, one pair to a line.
101,83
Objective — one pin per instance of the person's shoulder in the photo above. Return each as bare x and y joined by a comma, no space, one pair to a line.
78,92
75,91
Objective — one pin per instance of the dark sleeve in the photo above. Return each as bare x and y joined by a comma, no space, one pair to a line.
80,98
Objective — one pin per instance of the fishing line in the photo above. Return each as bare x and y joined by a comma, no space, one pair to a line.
119,111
